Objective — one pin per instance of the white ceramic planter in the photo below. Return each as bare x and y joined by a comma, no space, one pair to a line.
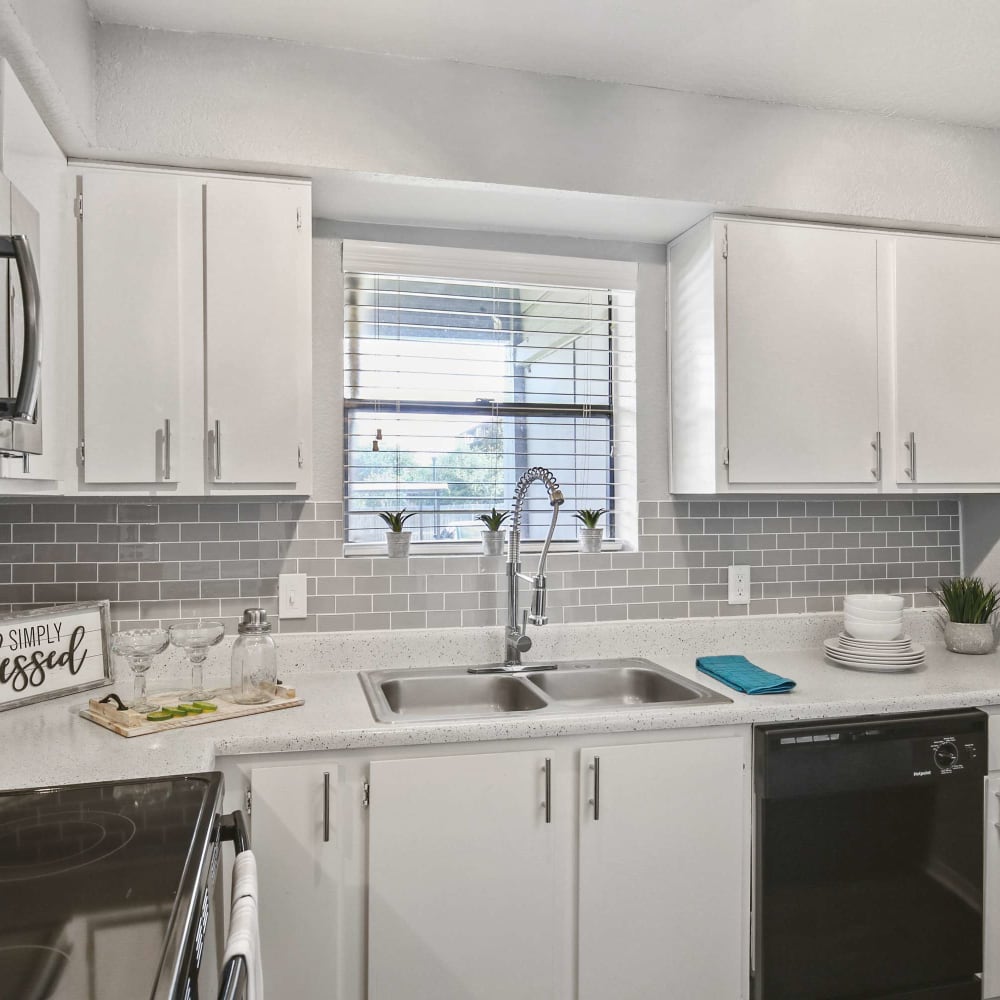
493,543
590,539
397,544
961,637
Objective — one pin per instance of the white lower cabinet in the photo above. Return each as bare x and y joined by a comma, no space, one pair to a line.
297,835
485,874
663,831
463,878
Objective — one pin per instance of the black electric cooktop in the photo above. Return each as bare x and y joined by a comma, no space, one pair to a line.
95,882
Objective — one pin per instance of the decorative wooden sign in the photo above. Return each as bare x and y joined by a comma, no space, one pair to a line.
54,652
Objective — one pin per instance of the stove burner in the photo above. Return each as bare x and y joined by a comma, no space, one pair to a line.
52,843
33,970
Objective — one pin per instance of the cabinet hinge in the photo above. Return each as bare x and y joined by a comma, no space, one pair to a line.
78,206
249,802
365,795
300,454
725,242
82,452
725,458
298,218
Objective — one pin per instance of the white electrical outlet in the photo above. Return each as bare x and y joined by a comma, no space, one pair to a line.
292,599
739,584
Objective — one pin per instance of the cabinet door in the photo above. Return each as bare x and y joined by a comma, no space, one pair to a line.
947,342
257,288
802,355
462,872
663,874
991,890
132,295
297,835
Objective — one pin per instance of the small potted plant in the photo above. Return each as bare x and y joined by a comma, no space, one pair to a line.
493,533
590,533
970,607
397,541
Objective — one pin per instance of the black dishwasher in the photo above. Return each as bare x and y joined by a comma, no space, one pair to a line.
868,877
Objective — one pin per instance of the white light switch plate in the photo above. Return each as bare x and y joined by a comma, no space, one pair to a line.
292,595
739,584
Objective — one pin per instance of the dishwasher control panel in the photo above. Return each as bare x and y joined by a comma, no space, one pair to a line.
852,754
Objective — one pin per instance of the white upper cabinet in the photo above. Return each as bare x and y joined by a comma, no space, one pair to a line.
815,358
257,313
947,349
774,350
132,299
196,347
802,355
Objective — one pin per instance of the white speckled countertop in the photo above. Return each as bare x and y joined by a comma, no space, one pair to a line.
49,743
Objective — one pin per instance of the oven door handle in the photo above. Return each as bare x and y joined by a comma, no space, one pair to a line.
235,979
233,828
235,974
25,404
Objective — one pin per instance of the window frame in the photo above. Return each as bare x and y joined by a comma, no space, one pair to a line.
502,267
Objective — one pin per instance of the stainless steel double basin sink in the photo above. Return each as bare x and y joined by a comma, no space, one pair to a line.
445,693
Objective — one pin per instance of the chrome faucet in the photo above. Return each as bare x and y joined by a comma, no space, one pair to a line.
516,638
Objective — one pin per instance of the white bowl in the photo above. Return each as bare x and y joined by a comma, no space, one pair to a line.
874,602
881,632
874,616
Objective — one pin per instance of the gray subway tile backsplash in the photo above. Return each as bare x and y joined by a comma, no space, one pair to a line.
158,561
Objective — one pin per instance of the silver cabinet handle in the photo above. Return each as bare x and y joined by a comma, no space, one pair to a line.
166,449
596,800
877,448
548,789
24,405
218,449
326,807
911,447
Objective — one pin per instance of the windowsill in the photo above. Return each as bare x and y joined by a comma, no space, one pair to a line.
369,549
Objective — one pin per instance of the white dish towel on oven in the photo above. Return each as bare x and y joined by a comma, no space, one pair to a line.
244,926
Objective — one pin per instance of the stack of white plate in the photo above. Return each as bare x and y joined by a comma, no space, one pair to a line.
874,617
865,654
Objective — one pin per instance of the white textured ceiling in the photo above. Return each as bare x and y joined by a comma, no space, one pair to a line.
934,59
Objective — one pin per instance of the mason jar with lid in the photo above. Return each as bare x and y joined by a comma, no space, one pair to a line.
255,660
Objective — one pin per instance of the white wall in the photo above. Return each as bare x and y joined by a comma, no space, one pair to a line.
279,106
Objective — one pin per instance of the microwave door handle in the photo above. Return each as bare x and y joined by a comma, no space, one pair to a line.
26,401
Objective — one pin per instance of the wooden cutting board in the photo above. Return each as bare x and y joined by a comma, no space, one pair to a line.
125,722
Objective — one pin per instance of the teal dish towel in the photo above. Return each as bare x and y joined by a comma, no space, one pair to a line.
740,674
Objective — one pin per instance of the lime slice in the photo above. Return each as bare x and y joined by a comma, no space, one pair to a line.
160,716
206,706
175,711
190,709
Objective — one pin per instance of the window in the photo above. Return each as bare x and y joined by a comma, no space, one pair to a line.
460,374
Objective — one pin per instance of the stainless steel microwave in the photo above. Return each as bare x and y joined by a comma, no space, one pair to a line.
20,330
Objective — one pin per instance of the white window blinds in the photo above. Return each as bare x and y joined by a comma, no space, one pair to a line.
457,380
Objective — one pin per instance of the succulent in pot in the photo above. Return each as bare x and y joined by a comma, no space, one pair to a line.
971,608
590,533
493,533
397,541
